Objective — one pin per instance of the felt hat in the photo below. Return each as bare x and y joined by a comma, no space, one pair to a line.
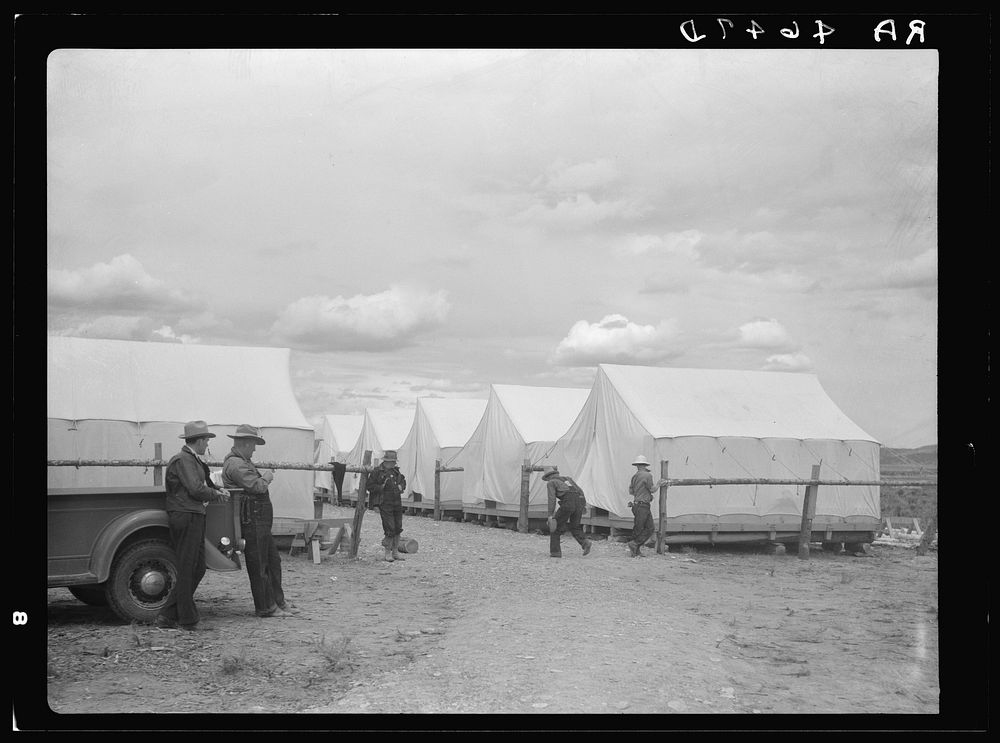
246,431
196,430
388,456
549,472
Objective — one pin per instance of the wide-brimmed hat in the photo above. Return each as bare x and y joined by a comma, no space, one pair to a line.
640,460
196,430
246,431
389,456
549,472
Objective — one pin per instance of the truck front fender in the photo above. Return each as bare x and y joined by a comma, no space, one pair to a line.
215,560
115,533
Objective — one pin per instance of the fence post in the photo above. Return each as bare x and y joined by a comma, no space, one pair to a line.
808,511
928,536
437,489
522,514
359,506
664,464
158,470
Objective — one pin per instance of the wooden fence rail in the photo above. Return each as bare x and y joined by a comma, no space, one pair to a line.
808,505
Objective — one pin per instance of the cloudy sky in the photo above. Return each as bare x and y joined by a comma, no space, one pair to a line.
421,222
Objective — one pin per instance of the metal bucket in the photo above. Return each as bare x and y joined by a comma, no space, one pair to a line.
409,546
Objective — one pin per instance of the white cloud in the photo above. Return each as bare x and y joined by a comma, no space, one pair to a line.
788,362
584,176
362,322
764,333
683,244
121,284
579,211
167,333
614,339
919,272
115,327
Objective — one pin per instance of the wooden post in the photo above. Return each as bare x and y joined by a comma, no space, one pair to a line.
359,506
664,464
808,511
158,470
928,536
437,489
522,514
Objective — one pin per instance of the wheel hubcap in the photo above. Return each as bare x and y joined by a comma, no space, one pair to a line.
150,583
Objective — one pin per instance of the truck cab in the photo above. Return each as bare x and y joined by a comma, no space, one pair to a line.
110,546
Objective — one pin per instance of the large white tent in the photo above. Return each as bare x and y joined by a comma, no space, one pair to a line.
721,424
441,426
339,435
381,429
520,422
114,399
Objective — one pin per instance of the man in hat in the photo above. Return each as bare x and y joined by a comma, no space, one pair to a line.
572,504
386,484
641,490
189,489
256,520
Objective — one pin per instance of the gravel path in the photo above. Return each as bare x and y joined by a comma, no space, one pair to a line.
481,620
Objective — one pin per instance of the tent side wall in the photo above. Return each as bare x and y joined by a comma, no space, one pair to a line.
749,505
105,439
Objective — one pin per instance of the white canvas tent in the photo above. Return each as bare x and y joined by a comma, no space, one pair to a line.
722,424
339,435
112,399
520,422
440,429
381,430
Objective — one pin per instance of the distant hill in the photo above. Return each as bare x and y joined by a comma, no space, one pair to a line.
923,459
917,464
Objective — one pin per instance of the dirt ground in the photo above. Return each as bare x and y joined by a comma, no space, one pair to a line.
482,620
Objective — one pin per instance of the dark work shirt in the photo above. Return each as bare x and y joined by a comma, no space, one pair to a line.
188,483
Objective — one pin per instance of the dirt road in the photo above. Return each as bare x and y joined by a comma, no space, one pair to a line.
482,620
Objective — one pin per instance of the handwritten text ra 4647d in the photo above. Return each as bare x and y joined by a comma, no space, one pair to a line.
883,32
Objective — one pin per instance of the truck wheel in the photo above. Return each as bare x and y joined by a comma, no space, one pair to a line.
92,595
142,578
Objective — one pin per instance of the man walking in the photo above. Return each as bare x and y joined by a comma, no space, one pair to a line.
189,489
386,486
256,519
568,513
641,490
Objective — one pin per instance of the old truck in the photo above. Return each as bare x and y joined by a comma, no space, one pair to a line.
110,546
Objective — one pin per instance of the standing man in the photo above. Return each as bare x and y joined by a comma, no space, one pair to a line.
189,489
256,519
641,490
572,503
387,485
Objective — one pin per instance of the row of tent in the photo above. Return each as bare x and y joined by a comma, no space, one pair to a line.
111,399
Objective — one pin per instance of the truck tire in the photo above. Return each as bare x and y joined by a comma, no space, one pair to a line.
143,575
91,595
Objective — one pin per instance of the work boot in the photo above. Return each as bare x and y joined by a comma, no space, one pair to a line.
388,555
555,554
395,550
586,548
633,549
